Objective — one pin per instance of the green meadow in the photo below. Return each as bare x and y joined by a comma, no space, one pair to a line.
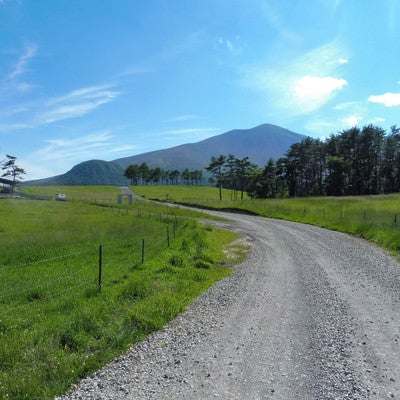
60,318
59,321
376,218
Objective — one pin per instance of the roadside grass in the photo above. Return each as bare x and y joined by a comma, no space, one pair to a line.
376,218
56,326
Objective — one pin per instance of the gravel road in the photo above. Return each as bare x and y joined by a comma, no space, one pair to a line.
311,314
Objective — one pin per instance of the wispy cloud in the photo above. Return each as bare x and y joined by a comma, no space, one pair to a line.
304,85
131,71
94,145
58,155
174,136
275,20
185,118
225,43
46,111
21,65
77,103
387,99
74,148
190,131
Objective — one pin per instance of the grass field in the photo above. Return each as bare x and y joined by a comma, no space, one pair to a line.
376,218
56,326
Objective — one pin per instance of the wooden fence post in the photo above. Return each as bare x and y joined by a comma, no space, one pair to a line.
142,251
168,235
100,265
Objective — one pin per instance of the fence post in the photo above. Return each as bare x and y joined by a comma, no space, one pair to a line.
175,226
142,251
100,265
168,235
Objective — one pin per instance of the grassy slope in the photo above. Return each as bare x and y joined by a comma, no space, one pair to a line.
376,218
55,326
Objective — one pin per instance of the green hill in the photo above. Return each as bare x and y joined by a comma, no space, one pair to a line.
93,172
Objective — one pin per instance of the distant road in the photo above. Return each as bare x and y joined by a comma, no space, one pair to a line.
311,314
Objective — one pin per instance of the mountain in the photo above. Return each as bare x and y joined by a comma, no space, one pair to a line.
93,172
259,144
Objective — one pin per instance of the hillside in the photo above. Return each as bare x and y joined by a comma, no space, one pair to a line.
259,144
93,172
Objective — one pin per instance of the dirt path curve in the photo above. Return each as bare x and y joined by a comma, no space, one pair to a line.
311,314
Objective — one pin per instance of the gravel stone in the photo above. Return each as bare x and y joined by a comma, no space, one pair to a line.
311,314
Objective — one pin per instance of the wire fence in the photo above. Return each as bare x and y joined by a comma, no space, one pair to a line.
91,269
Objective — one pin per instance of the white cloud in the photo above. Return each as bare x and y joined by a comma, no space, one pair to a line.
90,92
387,99
95,145
225,43
343,60
313,91
75,148
70,111
76,103
234,46
21,65
352,120
303,85
41,112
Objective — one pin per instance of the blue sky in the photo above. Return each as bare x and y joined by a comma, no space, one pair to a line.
104,79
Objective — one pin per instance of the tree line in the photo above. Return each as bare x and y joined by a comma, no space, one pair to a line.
357,161
144,175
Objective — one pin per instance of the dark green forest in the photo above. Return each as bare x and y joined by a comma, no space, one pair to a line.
357,161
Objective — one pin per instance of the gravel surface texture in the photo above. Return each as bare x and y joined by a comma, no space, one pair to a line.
311,314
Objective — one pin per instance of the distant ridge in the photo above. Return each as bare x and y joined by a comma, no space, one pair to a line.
259,144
